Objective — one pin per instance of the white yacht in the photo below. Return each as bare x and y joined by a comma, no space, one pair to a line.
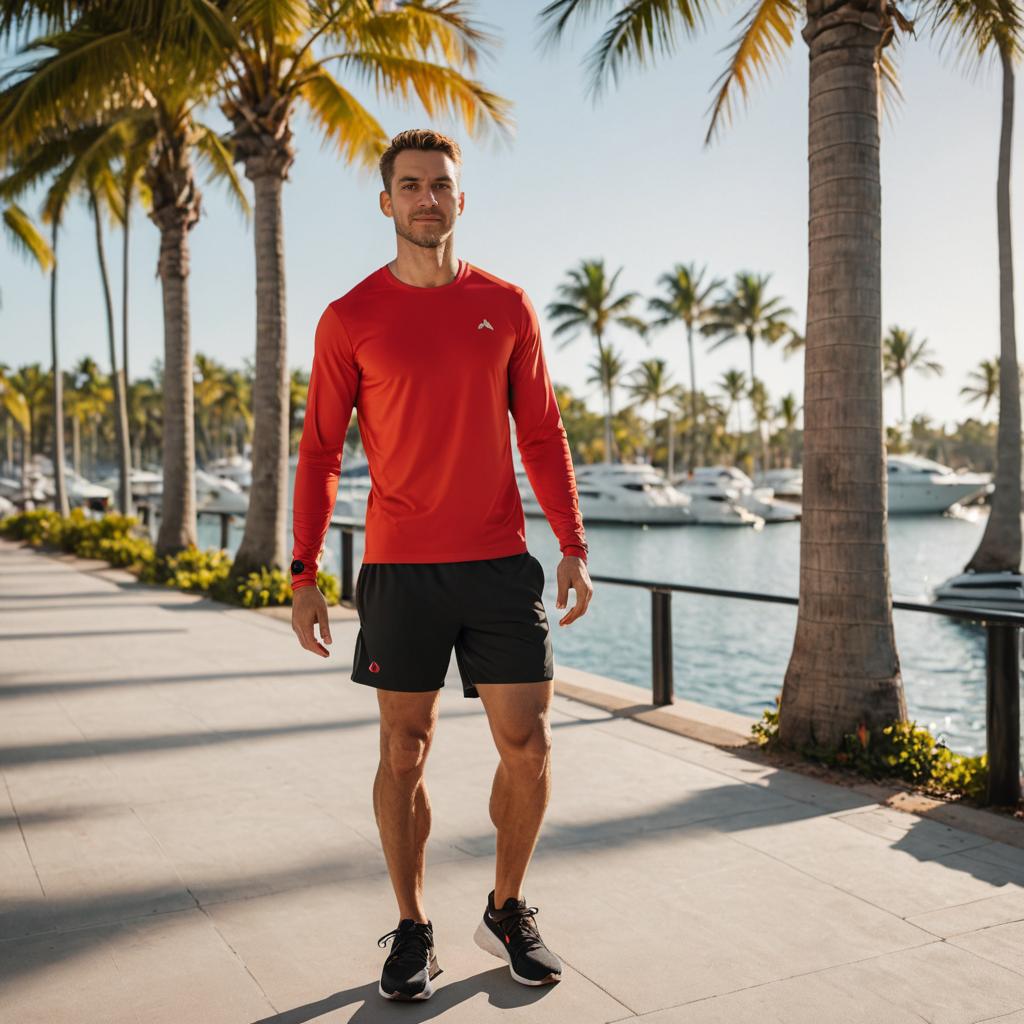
787,484
918,485
738,488
353,486
618,492
219,494
983,591
237,468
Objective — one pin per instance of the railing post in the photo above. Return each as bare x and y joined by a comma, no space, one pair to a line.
1002,714
225,519
661,647
346,563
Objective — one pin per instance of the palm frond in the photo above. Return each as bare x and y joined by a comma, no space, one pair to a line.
440,90
25,236
769,31
355,132
216,156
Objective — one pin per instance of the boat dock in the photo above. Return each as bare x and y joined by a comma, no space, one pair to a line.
188,838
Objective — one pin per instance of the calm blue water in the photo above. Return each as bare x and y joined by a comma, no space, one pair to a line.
733,654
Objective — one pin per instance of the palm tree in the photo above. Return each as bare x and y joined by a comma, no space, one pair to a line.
105,69
787,413
32,383
26,237
983,383
844,669
272,62
981,29
89,400
606,371
733,385
650,382
747,312
901,354
587,300
687,300
16,410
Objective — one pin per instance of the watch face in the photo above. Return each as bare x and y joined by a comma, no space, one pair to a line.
298,566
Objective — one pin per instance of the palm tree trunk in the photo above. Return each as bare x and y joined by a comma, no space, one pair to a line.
76,443
59,484
844,668
263,543
124,496
1000,546
903,403
695,438
124,295
178,507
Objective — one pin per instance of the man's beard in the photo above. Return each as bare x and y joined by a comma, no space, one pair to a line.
439,233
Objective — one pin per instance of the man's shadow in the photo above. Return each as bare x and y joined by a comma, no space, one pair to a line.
369,1006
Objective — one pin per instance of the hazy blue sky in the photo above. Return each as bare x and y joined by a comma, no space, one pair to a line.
627,179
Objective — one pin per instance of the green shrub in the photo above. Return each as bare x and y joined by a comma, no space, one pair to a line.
901,750
117,539
190,569
37,527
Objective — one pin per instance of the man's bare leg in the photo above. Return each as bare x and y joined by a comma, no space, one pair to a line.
518,717
400,801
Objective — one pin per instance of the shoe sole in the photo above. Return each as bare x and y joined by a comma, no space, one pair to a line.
427,992
490,943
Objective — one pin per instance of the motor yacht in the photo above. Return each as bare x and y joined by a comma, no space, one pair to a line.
739,489
919,485
619,492
219,494
787,484
983,591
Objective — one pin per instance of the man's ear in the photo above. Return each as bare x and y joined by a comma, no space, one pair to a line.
385,204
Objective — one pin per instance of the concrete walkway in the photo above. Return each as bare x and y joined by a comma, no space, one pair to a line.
186,836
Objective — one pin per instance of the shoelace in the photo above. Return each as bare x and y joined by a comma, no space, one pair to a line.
519,923
404,938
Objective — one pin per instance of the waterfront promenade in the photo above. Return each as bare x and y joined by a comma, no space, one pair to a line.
186,836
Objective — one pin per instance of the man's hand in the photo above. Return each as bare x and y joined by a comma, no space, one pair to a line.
572,572
309,607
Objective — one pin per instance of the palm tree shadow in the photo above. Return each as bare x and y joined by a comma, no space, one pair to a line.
502,992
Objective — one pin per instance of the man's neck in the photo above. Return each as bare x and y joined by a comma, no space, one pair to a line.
425,273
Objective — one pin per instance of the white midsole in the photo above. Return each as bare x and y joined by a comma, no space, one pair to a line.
490,943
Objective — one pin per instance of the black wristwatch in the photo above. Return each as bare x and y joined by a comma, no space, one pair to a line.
297,567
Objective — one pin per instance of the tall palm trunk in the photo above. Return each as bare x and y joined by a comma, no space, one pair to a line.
1000,546
59,484
264,541
696,447
175,210
124,491
844,668
124,293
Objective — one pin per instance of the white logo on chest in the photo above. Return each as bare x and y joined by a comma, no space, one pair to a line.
484,323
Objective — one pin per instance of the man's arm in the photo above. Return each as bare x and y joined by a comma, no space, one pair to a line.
541,435
333,390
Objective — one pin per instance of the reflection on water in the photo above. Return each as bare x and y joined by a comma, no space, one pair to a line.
733,654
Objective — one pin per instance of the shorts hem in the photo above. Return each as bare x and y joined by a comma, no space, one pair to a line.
397,689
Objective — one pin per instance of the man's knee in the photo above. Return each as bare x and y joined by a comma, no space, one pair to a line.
404,754
528,751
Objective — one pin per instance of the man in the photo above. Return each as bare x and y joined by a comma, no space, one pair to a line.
434,354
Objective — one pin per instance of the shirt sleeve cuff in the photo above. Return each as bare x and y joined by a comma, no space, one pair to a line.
575,550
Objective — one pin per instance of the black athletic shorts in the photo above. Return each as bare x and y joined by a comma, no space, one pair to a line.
491,610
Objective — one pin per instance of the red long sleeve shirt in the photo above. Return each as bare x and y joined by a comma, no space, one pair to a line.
433,374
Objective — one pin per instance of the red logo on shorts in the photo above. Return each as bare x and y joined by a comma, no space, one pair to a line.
374,667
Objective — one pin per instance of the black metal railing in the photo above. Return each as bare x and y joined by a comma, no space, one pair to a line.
1002,651
1002,667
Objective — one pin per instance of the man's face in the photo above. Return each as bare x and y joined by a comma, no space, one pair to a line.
423,200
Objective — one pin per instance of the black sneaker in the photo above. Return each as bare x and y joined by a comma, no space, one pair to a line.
411,965
511,933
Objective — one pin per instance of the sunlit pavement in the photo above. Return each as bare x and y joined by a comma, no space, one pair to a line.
188,836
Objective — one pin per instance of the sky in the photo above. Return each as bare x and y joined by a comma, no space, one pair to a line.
626,178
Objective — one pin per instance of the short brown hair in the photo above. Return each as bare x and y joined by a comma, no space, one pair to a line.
416,138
